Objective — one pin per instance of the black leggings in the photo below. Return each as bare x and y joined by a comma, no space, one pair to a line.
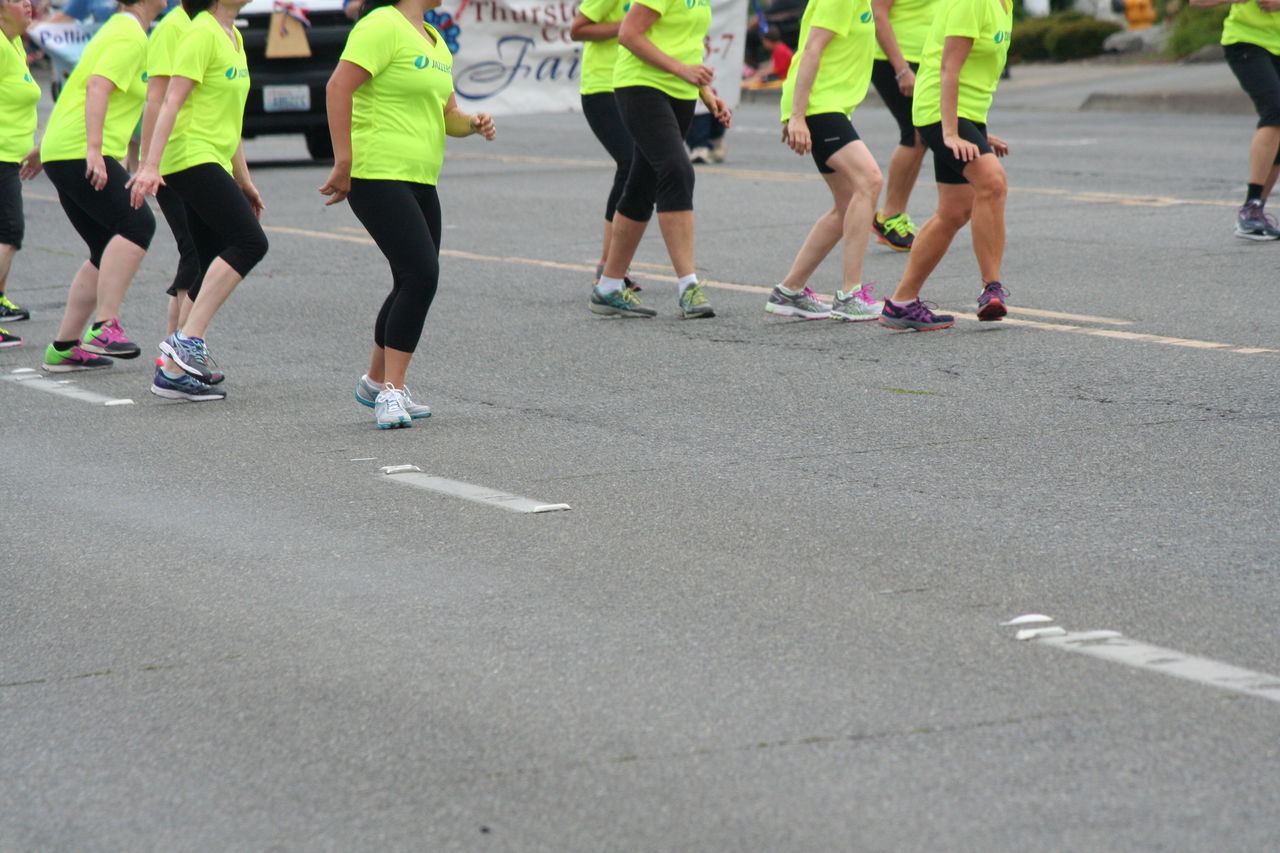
403,218
882,77
220,220
1258,71
100,215
660,171
189,272
12,223
601,111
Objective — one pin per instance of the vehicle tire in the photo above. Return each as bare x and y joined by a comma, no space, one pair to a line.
319,145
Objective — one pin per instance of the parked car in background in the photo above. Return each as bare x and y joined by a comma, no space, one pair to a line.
286,95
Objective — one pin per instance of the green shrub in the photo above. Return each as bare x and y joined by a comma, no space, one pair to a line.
1078,39
1194,27
1028,44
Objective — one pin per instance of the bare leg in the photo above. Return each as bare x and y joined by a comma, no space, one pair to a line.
1271,182
608,238
677,233
82,298
396,366
855,162
990,188
955,205
174,312
377,365
1262,156
219,282
625,239
904,170
6,260
120,262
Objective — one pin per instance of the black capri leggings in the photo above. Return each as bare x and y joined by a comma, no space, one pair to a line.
660,170
100,215
403,218
189,272
12,223
1258,71
220,220
601,111
882,77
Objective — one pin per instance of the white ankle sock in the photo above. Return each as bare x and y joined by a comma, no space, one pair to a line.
686,282
609,285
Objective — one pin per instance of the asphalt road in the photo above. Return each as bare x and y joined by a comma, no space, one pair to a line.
771,619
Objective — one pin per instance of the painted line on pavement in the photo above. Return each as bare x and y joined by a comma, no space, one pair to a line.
1115,334
28,379
1117,648
411,475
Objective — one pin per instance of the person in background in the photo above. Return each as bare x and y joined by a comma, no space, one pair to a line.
774,69
901,28
1251,42
19,95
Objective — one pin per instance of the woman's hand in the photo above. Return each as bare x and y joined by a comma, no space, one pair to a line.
1001,148
143,184
796,134
698,75
964,150
907,82
482,123
254,198
338,186
95,170
31,165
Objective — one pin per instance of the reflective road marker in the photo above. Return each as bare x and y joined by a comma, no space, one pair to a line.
27,378
1115,647
410,475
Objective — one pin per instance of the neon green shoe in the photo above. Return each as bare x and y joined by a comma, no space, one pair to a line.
896,232
694,304
10,312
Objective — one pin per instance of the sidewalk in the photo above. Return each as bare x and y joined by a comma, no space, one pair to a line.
1107,84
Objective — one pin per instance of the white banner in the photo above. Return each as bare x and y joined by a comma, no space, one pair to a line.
63,42
513,57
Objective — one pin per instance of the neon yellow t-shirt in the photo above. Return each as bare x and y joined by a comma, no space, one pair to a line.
910,20
1249,24
117,52
599,57
844,72
19,94
679,32
207,129
989,24
162,46
397,115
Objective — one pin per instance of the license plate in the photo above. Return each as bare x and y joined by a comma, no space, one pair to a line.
286,99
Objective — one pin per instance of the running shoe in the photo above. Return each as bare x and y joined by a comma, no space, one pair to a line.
694,304
992,302
700,154
896,232
192,357
857,306
914,315
804,304
184,388
389,409
10,312
8,339
719,150
67,361
367,395
623,303
110,340
1253,223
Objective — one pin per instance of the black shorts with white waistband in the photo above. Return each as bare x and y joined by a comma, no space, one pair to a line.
947,168
830,132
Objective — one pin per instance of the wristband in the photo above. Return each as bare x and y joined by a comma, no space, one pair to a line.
898,76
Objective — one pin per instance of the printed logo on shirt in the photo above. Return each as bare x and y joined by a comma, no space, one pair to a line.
1003,36
866,17
144,77
26,78
689,4
424,62
236,73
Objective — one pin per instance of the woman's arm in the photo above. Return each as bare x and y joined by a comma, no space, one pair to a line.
97,90
955,50
338,94
889,44
459,124
156,87
585,29
796,131
633,35
147,181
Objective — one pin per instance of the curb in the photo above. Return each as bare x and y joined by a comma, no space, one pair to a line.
1212,103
